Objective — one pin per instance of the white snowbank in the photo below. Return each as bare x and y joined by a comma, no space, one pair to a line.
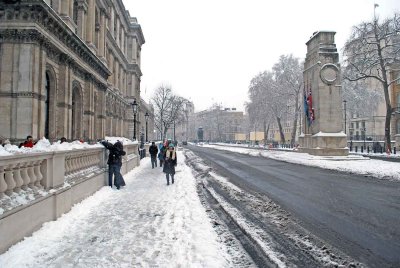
44,145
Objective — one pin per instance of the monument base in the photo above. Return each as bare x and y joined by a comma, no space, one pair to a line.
324,144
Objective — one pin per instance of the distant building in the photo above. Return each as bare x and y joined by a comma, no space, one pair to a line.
220,125
68,68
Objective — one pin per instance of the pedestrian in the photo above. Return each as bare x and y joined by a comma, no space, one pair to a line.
115,163
161,154
170,160
28,142
153,150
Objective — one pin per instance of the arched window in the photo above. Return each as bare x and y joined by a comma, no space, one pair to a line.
47,107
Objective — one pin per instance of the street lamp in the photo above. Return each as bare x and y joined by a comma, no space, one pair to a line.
345,117
134,108
146,116
364,130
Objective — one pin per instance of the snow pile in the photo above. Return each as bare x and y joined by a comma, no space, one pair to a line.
44,145
4,152
123,140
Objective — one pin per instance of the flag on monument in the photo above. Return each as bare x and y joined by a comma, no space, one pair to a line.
305,101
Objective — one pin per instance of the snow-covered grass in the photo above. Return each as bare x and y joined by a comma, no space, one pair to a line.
145,224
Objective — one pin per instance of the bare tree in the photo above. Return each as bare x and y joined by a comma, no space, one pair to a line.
371,51
267,101
289,78
256,108
168,108
361,99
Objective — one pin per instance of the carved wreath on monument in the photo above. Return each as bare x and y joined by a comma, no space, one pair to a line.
329,73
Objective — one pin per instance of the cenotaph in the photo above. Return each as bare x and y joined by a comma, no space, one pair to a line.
322,132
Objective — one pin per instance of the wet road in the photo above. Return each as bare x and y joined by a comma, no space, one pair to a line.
356,214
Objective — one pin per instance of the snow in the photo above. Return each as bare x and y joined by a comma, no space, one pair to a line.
150,224
44,145
353,164
327,134
145,224
4,152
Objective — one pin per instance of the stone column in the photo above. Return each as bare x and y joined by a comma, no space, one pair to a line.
116,37
116,82
71,8
82,9
123,40
90,24
89,106
323,127
129,48
102,38
65,8
67,13
111,26
63,92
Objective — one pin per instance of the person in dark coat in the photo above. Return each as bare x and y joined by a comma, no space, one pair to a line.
170,161
161,154
153,150
115,163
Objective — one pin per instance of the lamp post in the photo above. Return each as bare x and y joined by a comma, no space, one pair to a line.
364,131
134,108
146,116
174,132
345,117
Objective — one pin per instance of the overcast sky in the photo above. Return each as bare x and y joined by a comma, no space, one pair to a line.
209,50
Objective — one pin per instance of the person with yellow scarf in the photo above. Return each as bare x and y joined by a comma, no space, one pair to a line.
170,161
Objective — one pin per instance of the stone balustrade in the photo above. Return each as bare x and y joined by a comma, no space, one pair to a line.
21,172
49,184
76,162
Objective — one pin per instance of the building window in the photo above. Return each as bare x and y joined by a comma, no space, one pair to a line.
398,127
363,124
357,124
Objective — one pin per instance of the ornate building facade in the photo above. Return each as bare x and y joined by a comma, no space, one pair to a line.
68,68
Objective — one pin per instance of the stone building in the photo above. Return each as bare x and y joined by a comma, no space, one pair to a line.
68,68
370,128
219,125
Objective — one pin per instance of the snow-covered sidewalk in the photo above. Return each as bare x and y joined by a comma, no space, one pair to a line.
145,224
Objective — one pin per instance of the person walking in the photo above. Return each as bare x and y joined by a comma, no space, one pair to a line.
115,163
153,150
161,154
170,161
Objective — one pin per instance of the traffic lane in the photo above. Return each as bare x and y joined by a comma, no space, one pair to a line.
360,214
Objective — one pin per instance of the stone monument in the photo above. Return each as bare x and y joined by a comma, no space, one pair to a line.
322,95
